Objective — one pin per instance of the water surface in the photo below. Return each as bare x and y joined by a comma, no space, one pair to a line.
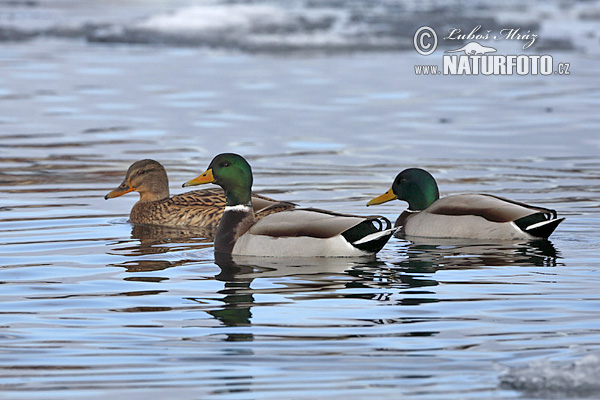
93,306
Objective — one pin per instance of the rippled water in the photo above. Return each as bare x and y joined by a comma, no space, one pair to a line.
94,307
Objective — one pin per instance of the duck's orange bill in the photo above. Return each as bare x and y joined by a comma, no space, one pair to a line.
384,198
206,177
125,187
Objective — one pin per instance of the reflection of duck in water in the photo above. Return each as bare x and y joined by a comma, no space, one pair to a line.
307,268
199,208
297,279
156,239
469,216
429,255
305,276
292,233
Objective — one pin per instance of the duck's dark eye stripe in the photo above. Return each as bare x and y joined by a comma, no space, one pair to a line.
145,171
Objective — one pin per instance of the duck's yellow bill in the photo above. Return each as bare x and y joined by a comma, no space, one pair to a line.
384,198
206,177
120,191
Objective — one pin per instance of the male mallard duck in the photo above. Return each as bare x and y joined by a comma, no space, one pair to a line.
291,233
469,216
199,209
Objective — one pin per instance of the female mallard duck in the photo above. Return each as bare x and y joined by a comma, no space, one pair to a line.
199,209
291,233
469,216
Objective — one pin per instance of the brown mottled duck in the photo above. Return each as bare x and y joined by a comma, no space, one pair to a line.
199,208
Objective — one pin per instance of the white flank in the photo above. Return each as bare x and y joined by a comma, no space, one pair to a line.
301,246
521,234
463,227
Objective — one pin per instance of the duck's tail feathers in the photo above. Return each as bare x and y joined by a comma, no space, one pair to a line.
370,235
375,241
539,225
543,229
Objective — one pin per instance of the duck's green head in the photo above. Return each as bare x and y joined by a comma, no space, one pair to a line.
415,186
233,173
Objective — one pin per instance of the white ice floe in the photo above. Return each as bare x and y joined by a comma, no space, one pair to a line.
215,17
556,380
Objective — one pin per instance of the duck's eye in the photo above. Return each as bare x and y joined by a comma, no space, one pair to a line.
225,164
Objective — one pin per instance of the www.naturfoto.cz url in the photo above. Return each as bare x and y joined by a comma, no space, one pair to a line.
495,65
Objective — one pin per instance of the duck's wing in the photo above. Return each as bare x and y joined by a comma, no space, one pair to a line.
272,209
490,207
264,205
198,208
200,198
306,222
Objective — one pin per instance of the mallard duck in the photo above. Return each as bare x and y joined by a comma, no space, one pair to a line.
469,216
291,233
199,209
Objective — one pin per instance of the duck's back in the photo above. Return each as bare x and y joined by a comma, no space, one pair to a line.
197,208
489,207
476,216
304,222
314,233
